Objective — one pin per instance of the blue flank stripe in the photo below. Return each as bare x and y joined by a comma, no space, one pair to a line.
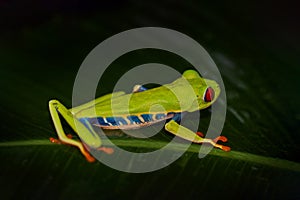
119,121
159,116
102,122
112,121
134,118
147,117
176,117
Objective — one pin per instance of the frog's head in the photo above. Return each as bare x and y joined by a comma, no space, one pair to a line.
207,91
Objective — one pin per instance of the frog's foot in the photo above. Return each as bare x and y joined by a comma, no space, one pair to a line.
54,140
57,141
82,148
106,150
214,142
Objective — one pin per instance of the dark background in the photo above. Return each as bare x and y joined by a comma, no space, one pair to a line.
254,44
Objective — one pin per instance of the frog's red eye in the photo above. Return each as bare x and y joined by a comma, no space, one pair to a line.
209,95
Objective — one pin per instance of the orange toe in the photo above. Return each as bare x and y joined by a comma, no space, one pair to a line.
200,134
53,140
89,157
106,150
226,148
221,138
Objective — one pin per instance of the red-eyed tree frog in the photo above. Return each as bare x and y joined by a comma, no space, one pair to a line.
188,93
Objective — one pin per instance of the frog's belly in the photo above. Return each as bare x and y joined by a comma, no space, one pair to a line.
128,122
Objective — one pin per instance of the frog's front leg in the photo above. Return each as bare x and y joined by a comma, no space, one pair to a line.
180,131
89,136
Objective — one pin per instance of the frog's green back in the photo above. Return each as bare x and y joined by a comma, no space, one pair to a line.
184,94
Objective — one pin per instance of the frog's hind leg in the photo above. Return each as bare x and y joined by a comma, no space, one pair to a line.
90,137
